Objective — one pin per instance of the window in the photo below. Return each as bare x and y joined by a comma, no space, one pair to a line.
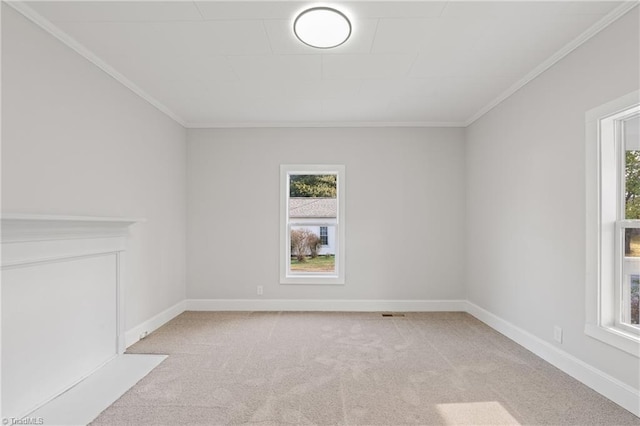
324,235
628,226
613,223
312,224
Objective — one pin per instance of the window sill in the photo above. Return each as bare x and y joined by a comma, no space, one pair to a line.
615,337
312,280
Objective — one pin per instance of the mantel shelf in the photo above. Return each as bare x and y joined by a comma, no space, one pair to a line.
18,227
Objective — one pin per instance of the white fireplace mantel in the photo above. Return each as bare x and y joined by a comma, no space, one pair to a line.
62,303
30,227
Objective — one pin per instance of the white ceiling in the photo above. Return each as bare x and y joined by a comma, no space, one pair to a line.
237,63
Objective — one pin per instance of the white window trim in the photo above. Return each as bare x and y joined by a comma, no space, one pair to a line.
601,235
285,248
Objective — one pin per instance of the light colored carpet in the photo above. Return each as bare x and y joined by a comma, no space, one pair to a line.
350,369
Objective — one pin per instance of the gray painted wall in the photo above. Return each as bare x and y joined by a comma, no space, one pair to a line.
76,142
526,196
404,211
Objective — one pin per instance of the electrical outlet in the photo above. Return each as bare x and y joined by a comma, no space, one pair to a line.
260,290
143,335
557,334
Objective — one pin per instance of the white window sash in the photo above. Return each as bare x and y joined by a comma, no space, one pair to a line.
625,267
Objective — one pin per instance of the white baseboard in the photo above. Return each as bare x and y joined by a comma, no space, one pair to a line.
325,305
148,326
620,393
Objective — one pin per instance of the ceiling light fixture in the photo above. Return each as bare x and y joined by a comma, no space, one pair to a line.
322,27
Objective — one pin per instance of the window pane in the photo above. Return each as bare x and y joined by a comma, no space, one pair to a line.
315,186
632,184
308,254
634,300
632,242
312,199
631,277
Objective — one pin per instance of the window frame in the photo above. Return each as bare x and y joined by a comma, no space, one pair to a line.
286,276
605,221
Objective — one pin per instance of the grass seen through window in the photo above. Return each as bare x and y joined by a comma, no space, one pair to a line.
320,263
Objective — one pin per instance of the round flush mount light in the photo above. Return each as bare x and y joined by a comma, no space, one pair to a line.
322,27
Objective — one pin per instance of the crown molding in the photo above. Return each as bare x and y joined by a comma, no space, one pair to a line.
555,58
45,24
312,124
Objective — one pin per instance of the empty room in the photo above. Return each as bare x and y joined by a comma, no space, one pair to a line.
340,213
